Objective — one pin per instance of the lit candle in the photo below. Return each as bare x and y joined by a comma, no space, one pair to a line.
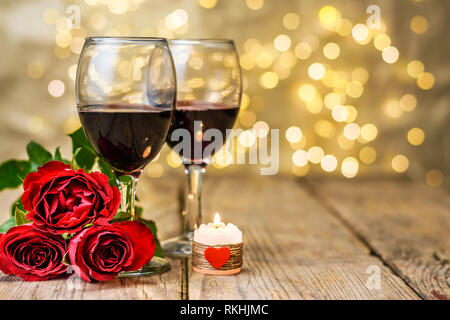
217,233
217,248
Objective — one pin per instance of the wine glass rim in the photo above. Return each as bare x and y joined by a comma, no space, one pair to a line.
202,41
125,39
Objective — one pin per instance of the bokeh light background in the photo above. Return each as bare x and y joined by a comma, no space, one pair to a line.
348,100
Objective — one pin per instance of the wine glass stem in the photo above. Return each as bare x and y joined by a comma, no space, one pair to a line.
128,194
193,209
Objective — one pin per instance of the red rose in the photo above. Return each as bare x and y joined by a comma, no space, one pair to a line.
62,200
101,252
32,254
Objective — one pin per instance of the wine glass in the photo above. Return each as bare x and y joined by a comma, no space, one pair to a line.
209,89
125,91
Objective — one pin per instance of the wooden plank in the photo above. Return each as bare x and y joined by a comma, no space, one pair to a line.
159,199
406,224
293,247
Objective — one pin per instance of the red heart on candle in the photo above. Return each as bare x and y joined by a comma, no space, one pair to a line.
217,257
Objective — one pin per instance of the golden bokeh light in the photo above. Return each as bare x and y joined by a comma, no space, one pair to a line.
434,178
35,124
72,72
208,4
344,27
416,136
173,159
35,70
331,100
254,4
331,50
50,16
390,54
415,68
367,155
361,33
118,6
247,138
339,113
352,113
247,118
291,21
354,89
316,71
329,15
329,163
352,131
261,129
300,158
392,109
282,42
400,163
408,102
56,88
154,170
349,167
426,80
369,132
382,41
294,134
264,59
315,154
303,50
315,105
325,129
419,24
268,80
345,143
306,92
361,75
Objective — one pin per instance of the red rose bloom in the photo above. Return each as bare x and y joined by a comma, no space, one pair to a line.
32,254
62,200
101,252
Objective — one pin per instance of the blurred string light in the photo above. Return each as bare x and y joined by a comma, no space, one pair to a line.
400,163
208,4
275,61
35,70
291,21
56,88
254,4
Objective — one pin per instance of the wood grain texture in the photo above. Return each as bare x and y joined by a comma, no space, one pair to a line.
406,224
159,200
166,286
293,247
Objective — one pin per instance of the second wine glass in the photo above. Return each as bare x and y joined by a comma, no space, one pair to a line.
209,89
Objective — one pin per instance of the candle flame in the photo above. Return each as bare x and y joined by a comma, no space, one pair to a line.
217,220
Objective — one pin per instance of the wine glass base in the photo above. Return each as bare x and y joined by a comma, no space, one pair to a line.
178,247
154,267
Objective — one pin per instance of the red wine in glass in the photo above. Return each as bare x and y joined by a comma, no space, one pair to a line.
126,136
210,116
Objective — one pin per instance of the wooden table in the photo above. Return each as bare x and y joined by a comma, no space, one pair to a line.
304,239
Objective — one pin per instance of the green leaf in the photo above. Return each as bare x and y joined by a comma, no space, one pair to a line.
11,222
17,204
37,154
151,224
105,168
65,259
73,164
58,157
87,155
20,217
67,236
12,173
